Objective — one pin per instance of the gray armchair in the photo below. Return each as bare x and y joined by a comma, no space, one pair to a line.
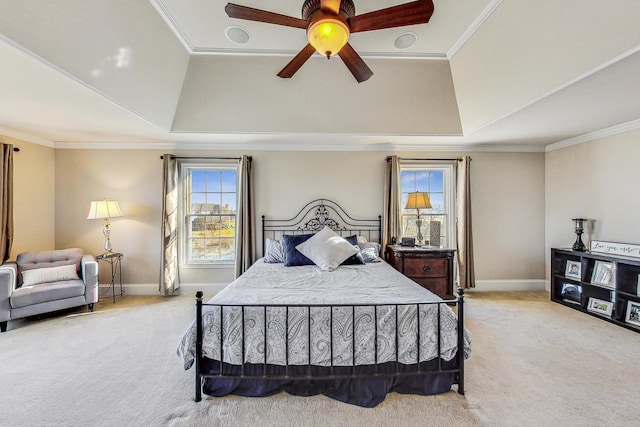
42,282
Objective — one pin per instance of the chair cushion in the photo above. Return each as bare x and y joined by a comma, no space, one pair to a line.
45,292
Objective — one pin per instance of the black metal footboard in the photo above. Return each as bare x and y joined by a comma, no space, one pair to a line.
293,372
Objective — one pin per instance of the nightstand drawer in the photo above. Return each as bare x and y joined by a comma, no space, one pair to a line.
437,285
425,267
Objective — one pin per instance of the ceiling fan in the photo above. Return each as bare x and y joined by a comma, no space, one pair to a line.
329,23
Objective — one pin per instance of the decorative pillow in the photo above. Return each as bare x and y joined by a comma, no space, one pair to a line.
37,276
327,249
292,257
273,251
357,258
362,239
370,251
370,255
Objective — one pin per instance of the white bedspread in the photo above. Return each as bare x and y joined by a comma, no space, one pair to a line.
354,286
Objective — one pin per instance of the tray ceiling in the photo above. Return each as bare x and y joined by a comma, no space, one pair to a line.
163,73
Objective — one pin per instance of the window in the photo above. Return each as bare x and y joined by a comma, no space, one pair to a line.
437,181
209,206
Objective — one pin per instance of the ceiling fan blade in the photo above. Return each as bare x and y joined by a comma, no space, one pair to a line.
332,6
298,61
354,63
416,12
251,14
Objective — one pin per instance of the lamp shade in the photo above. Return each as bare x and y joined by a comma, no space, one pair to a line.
418,200
104,209
328,36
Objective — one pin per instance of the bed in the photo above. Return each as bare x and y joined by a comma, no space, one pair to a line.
354,332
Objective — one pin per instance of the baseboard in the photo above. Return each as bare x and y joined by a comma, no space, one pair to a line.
209,289
509,285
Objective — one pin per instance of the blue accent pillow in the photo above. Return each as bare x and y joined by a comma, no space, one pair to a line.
357,258
292,256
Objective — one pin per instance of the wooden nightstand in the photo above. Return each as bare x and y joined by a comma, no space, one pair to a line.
432,268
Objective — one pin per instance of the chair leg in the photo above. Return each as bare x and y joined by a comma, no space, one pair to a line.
3,326
90,307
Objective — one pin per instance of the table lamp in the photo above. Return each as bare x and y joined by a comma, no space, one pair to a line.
418,200
105,209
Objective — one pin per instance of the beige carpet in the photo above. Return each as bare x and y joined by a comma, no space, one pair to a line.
533,363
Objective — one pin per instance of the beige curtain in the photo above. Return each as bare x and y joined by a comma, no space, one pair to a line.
245,227
464,232
6,201
391,212
169,277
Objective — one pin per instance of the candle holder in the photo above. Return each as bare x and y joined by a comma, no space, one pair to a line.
579,229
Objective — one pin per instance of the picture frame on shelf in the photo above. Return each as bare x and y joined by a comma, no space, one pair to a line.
600,307
573,270
603,274
613,248
571,293
633,313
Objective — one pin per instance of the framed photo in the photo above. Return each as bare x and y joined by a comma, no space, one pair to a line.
573,270
638,287
633,313
603,274
571,293
601,307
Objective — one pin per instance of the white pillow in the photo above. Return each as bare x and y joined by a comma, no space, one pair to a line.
327,249
274,252
49,274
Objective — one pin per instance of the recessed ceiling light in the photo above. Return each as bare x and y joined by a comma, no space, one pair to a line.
237,34
405,40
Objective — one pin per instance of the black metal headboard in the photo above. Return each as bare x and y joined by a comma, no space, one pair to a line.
315,215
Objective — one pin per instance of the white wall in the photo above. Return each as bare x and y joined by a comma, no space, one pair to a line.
34,197
597,180
508,200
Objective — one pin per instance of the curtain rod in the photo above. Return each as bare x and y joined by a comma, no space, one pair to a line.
210,158
459,159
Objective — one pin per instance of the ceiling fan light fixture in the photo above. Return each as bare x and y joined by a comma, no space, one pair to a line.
328,36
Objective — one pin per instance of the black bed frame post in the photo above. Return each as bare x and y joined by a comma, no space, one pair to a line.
461,340
199,295
263,239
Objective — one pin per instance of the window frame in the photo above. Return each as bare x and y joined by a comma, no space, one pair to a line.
449,195
185,168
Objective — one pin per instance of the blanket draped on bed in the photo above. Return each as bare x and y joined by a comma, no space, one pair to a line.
356,311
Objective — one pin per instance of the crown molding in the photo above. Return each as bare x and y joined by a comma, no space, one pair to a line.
475,26
599,134
204,51
162,10
438,146
4,131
